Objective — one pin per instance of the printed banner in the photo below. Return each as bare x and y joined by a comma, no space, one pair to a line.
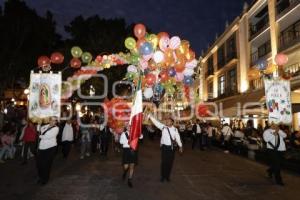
45,95
278,99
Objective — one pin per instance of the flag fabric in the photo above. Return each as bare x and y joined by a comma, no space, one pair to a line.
136,118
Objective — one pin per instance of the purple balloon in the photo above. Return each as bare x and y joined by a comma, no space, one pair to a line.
172,72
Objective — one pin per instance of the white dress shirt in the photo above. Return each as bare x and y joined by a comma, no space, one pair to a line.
48,140
165,136
270,137
124,141
67,134
198,129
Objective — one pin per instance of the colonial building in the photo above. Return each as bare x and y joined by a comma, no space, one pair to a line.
265,28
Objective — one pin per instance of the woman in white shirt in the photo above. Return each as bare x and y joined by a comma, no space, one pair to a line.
46,150
67,138
129,159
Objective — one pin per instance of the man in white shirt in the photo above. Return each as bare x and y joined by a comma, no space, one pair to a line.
274,137
67,138
46,150
227,134
197,135
169,137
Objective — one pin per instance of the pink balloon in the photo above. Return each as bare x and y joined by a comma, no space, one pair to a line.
281,59
174,42
148,57
179,76
144,64
164,43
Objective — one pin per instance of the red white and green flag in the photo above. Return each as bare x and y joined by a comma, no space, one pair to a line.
136,118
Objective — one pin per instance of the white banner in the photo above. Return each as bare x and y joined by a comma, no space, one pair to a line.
44,96
278,99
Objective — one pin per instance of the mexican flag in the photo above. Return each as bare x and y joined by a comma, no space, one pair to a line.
136,118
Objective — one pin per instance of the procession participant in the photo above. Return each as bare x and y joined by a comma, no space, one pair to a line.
226,136
129,158
182,130
46,150
274,137
85,138
169,139
67,138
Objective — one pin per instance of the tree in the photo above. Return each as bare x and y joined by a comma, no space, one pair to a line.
99,36
23,37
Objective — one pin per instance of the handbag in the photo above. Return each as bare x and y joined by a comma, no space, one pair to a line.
43,133
174,144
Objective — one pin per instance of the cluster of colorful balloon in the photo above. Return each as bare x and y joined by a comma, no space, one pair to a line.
164,62
263,67
118,112
86,72
44,62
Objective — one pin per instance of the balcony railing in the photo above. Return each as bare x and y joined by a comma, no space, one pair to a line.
259,26
262,51
257,84
290,36
293,69
284,5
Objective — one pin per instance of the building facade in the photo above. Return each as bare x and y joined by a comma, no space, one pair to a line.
265,28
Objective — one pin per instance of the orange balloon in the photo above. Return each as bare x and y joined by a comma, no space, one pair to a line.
190,55
139,30
253,74
183,48
169,54
180,64
162,34
270,69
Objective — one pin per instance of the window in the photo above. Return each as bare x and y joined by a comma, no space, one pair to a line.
210,66
231,48
232,86
210,90
221,86
221,56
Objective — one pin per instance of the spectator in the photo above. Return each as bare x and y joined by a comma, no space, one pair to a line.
7,143
226,136
209,134
29,137
85,139
67,138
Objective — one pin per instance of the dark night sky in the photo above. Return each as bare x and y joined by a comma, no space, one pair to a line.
195,20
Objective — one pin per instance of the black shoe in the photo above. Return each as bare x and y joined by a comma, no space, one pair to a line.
280,183
130,183
124,175
168,179
162,180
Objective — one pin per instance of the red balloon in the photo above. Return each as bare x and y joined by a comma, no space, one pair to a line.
202,110
43,61
150,79
139,31
57,58
75,63
164,76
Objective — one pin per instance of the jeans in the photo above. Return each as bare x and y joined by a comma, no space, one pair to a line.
7,150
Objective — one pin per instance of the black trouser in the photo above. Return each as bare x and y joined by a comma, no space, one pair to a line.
44,162
182,136
94,142
32,147
197,138
104,145
276,158
66,147
167,158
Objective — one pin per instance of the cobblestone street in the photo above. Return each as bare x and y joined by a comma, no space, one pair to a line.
205,175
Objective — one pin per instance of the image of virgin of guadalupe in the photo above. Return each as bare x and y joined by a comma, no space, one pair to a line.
45,96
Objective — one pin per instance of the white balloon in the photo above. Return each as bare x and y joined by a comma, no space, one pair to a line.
148,93
188,72
192,64
174,42
132,68
158,57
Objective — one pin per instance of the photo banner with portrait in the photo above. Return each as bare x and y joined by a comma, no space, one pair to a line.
278,100
44,96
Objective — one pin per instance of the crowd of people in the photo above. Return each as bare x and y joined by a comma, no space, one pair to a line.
42,141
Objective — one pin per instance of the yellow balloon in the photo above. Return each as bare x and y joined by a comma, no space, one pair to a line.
153,39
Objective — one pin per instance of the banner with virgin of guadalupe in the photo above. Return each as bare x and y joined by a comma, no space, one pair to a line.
44,96
278,100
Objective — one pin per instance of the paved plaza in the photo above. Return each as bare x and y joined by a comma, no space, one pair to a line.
205,175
